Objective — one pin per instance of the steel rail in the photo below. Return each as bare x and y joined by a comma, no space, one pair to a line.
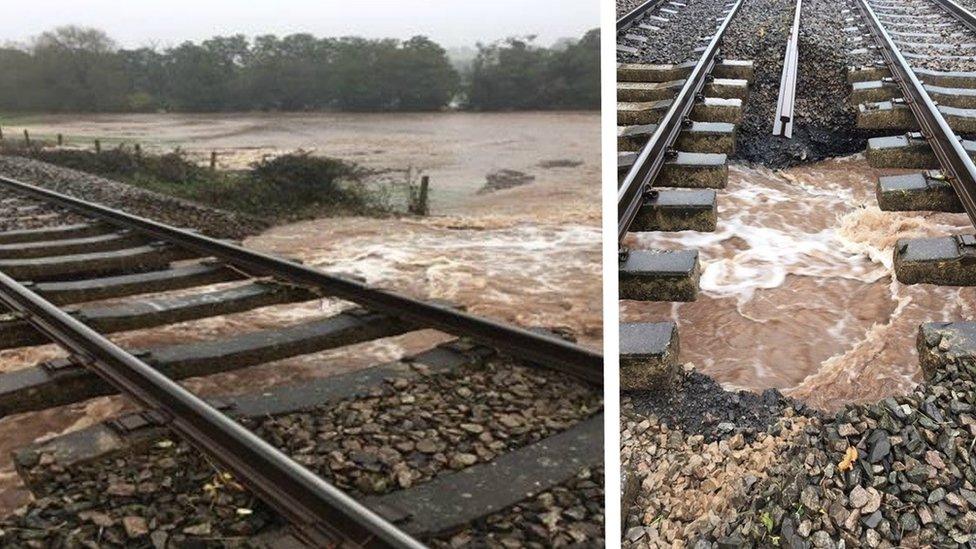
651,160
783,121
543,349
958,167
963,15
634,15
322,514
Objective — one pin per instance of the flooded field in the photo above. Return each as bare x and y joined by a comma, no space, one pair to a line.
798,290
456,150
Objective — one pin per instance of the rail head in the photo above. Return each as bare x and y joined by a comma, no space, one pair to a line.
956,163
544,349
322,514
651,159
783,121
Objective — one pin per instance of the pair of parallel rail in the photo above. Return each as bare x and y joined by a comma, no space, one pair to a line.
637,183
321,514
955,162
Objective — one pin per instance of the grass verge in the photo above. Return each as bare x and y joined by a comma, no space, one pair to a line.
285,188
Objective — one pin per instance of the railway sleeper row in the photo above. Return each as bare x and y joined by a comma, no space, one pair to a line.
949,260
683,198
80,265
441,505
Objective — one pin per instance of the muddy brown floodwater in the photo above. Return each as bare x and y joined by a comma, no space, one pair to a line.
797,287
528,255
456,149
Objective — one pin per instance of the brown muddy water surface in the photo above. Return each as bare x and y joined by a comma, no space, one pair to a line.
797,287
456,149
529,255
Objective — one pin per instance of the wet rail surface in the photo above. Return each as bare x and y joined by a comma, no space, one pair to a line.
74,272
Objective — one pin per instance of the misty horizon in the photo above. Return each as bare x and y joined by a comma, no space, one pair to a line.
139,25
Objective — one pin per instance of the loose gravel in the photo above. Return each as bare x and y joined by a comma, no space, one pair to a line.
897,473
626,6
676,40
403,434
825,122
159,207
410,431
164,497
18,213
952,51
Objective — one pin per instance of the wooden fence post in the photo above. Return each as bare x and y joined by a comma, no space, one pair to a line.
98,146
423,207
60,140
418,202
213,160
27,138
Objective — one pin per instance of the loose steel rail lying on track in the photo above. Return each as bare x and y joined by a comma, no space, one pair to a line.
322,514
648,165
958,167
546,350
783,123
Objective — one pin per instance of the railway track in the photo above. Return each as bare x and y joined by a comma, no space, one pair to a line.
925,87
876,470
73,272
676,130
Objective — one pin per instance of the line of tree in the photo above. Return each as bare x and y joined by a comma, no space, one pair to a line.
73,69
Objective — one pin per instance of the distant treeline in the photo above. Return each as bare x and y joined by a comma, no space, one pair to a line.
72,69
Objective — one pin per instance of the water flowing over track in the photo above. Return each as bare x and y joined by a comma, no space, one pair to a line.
666,142
65,254
709,467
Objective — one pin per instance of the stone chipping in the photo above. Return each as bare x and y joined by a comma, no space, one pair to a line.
402,434
897,473
952,50
825,121
626,6
408,432
674,41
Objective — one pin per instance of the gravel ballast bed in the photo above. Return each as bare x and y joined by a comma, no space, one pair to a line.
411,431
159,207
953,37
825,122
14,217
677,39
403,434
626,6
898,473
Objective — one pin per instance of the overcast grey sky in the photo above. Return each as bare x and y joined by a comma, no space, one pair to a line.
167,22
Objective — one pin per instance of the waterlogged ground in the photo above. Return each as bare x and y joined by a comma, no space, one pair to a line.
528,255
456,150
798,290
